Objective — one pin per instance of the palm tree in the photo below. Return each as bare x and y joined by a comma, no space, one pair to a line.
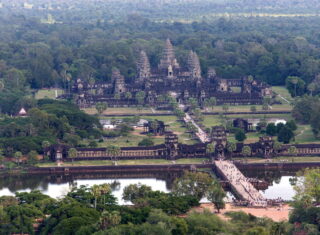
311,87
109,219
101,107
96,192
45,144
128,95
18,156
72,153
211,148
113,151
92,81
105,189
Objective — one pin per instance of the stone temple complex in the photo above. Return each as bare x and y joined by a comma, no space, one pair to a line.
169,77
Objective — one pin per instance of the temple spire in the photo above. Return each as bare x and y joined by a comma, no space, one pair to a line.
143,66
168,57
194,65
118,80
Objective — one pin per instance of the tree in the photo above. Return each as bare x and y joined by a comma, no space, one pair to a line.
117,96
128,95
285,135
240,135
213,102
113,151
277,145
216,195
231,147
225,108
45,144
134,192
211,148
253,108
32,157
308,186
295,86
72,153
292,150
193,184
271,129
96,192
101,107
246,151
311,88
146,142
140,96
109,219
18,156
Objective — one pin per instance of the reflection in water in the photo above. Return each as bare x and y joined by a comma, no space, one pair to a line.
59,185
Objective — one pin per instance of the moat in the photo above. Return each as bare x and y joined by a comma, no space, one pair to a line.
59,185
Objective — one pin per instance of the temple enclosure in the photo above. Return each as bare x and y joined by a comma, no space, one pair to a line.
182,82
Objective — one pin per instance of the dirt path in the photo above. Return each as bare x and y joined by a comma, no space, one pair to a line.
275,213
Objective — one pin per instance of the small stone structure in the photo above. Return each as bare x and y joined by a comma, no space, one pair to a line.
242,124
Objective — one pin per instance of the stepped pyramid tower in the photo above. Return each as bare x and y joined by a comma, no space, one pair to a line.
119,82
194,65
168,58
143,66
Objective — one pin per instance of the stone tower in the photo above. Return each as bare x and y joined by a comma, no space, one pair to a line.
119,83
171,143
143,66
194,65
168,57
212,73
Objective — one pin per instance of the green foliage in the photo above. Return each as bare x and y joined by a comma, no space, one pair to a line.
271,129
101,107
193,184
246,151
240,135
295,86
146,142
285,135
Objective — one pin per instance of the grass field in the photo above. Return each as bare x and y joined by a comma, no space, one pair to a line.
282,91
120,111
246,108
280,159
304,134
48,93
135,137
127,162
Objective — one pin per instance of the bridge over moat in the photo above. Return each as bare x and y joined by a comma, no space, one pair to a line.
240,185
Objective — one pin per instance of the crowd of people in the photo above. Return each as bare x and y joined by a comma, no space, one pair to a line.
241,184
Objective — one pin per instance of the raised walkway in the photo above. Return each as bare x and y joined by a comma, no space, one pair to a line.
240,185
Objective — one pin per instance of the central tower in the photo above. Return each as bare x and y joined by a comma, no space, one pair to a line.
168,59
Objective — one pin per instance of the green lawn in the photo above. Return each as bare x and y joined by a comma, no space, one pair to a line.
246,108
281,90
127,162
280,159
304,134
128,110
47,93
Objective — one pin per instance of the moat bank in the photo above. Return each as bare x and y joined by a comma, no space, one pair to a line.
286,166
